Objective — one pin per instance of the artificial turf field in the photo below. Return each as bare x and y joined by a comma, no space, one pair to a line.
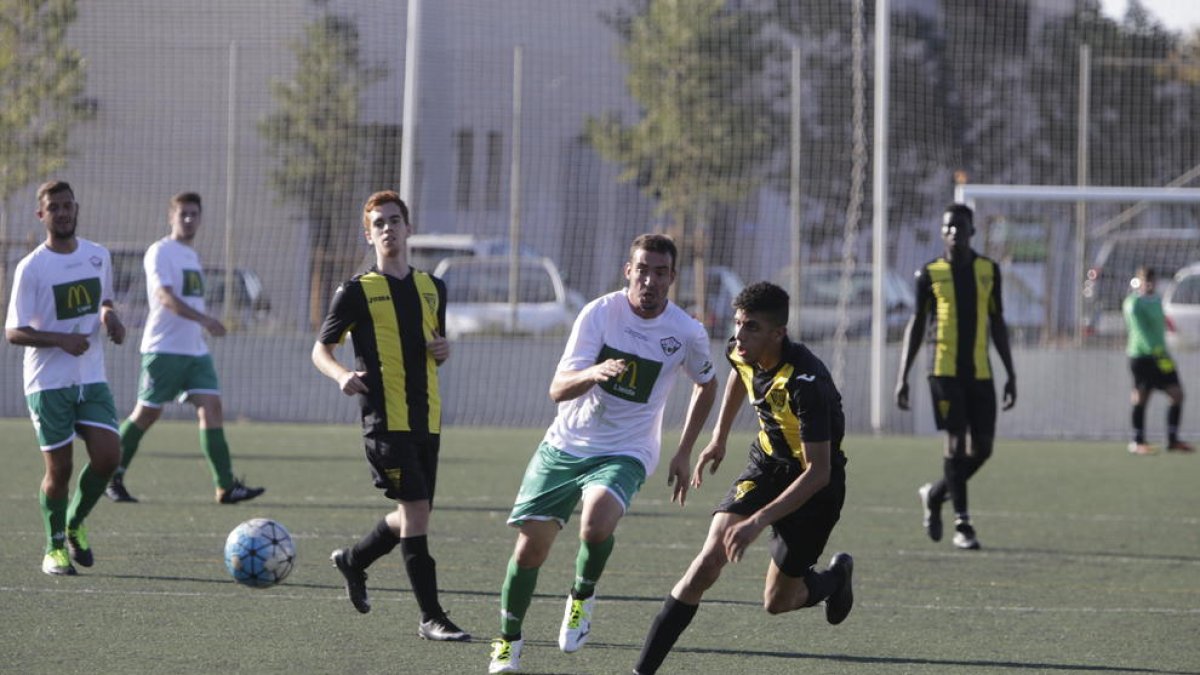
1091,564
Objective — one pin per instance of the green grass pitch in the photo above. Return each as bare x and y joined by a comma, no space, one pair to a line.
1091,564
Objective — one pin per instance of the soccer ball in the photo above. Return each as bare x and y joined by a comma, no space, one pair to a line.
259,553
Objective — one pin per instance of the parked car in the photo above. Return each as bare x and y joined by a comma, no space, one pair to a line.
820,289
251,305
425,251
478,303
1181,304
722,285
1117,260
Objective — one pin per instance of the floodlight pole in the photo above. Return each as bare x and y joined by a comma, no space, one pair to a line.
880,208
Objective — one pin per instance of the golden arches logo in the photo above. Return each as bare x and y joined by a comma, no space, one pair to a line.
78,296
629,376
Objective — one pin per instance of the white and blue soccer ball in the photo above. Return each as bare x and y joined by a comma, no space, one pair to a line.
259,553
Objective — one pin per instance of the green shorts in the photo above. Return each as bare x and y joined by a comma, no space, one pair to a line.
57,412
555,481
167,377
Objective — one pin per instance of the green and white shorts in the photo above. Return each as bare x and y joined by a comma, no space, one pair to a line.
57,412
168,377
555,481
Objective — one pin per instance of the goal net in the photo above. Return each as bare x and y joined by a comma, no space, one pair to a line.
674,116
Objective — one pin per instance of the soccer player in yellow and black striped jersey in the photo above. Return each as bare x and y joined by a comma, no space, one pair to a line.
794,483
394,315
960,294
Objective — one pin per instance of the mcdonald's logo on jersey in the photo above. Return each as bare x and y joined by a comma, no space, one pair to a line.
193,284
77,298
637,380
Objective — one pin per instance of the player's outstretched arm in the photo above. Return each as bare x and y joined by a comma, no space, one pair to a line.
714,452
703,397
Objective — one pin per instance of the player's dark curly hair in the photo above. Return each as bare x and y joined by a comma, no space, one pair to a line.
766,299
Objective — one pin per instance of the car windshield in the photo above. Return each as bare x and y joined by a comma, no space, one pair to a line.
487,281
1187,291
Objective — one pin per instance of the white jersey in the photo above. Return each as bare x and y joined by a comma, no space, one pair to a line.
62,293
624,416
170,263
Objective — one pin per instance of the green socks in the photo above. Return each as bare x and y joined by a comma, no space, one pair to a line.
589,564
87,492
131,437
212,442
515,596
54,517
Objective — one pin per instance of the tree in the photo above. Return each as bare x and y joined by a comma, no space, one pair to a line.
42,80
704,136
318,140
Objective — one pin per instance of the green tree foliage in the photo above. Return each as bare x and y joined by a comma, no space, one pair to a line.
317,138
42,81
704,133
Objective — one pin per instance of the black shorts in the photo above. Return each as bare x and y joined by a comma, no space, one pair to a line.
403,464
799,538
962,403
1152,372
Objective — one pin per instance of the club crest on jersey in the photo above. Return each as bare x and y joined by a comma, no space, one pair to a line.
777,398
742,489
96,261
430,301
670,345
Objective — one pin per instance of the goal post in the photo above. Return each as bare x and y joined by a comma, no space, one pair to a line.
970,194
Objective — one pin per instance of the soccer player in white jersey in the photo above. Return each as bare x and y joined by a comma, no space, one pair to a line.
611,387
175,359
61,298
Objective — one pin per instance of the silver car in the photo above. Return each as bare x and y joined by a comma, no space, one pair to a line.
1181,304
477,289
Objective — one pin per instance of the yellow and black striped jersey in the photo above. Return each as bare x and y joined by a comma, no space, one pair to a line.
961,302
390,321
796,402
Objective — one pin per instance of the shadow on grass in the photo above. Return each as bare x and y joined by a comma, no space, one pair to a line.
274,457
833,659
1096,555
